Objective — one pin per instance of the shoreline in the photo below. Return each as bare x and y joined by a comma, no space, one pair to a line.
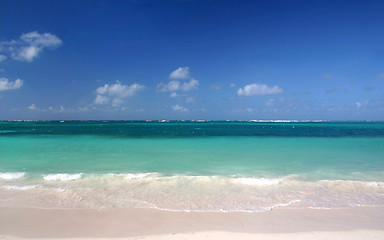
24,222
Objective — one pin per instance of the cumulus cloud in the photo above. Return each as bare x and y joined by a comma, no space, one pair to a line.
175,85
171,86
258,89
101,99
5,84
29,46
178,108
58,109
180,73
191,85
232,85
116,93
33,107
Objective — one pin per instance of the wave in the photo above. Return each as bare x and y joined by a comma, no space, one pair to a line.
11,175
258,181
282,205
375,184
225,179
188,193
136,175
224,210
367,183
229,179
62,177
20,187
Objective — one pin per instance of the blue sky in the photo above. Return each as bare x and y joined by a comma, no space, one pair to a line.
197,59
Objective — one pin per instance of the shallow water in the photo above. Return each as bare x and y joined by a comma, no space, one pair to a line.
192,166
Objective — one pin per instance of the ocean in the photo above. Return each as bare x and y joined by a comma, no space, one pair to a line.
225,166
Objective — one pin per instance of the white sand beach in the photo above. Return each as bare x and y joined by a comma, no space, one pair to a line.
148,224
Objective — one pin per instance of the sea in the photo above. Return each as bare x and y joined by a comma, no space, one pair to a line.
192,166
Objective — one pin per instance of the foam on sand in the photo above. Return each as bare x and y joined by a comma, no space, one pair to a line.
258,181
11,175
136,175
29,187
62,177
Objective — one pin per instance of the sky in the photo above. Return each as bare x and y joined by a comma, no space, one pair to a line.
191,59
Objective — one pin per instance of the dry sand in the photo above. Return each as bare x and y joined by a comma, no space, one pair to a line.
148,224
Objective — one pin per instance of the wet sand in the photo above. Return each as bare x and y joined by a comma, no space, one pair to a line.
289,223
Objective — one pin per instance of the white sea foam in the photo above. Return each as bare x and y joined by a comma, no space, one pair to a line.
136,175
62,177
11,175
20,187
221,210
375,184
229,210
258,181
282,204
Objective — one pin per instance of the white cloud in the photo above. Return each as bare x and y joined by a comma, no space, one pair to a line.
58,109
175,85
100,99
380,75
62,109
7,85
45,40
116,93
26,54
232,85
178,108
3,58
33,107
29,45
180,73
361,105
191,85
258,89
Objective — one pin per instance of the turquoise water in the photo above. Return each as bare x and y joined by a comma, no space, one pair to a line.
314,149
62,155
